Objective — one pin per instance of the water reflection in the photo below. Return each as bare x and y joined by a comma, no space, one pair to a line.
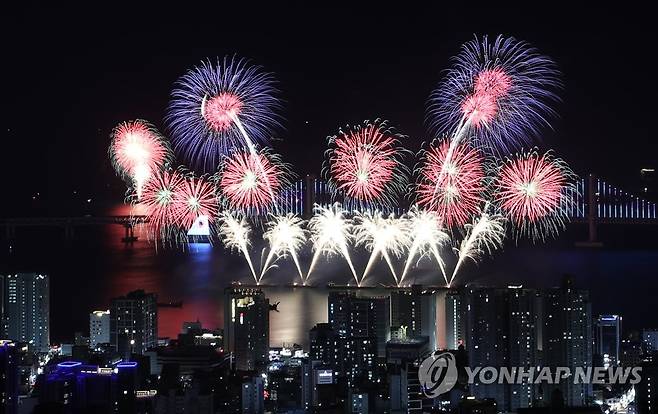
87,272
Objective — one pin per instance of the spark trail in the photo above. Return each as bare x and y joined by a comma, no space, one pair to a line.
427,237
235,232
330,235
484,235
285,235
385,236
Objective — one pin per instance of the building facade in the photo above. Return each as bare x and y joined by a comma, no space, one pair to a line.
567,339
415,309
99,328
608,339
247,327
362,327
134,322
27,309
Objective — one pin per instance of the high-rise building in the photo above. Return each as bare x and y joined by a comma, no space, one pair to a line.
252,395
487,338
134,322
498,328
632,352
247,327
650,338
99,328
323,344
567,338
646,391
523,314
2,307
403,357
455,314
415,309
362,326
608,339
9,377
27,309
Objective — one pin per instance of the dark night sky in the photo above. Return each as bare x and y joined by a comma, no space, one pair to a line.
70,75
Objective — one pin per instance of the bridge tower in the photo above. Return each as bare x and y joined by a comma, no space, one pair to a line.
129,229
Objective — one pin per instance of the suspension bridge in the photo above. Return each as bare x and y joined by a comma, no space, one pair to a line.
591,201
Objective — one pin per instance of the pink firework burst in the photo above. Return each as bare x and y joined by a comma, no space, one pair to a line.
493,82
530,191
365,165
452,189
220,111
137,151
499,93
160,198
196,197
249,181
480,109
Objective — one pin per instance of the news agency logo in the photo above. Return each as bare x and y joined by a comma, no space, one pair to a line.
438,374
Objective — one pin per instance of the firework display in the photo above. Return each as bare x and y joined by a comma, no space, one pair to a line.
220,106
365,165
250,181
531,191
138,151
427,237
484,235
468,192
385,236
162,204
196,198
235,235
498,93
453,188
331,233
285,235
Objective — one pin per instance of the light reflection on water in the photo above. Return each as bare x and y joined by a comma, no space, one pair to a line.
85,274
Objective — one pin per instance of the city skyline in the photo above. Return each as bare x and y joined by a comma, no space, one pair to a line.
295,208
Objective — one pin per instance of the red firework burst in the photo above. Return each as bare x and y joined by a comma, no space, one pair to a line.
196,197
250,180
135,146
220,111
365,165
529,188
453,189
160,198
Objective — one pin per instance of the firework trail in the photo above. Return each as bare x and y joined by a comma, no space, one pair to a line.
451,187
331,234
365,165
380,235
484,235
284,234
160,198
138,151
531,191
235,235
499,92
249,181
427,237
196,197
221,106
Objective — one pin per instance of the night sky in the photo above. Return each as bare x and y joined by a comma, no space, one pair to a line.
70,75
